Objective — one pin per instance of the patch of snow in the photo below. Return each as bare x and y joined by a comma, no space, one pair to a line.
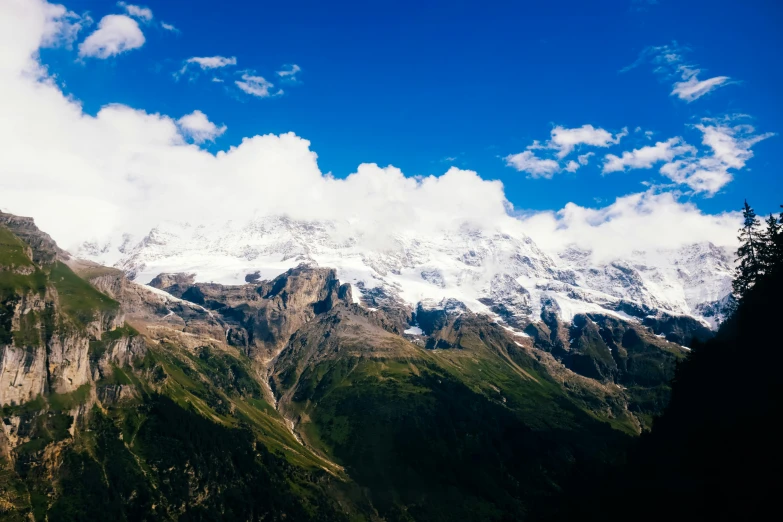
518,333
414,330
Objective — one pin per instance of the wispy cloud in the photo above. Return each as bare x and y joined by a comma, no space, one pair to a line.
256,86
727,147
289,72
169,27
646,157
212,62
204,63
63,26
690,88
140,13
668,62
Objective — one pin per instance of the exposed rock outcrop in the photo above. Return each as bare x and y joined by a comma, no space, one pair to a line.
43,248
49,318
679,329
261,318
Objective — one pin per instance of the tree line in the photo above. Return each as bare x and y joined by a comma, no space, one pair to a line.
760,252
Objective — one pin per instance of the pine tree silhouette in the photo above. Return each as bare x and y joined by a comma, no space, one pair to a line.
749,265
769,253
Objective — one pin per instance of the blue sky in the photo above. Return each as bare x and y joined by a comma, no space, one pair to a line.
414,86
619,126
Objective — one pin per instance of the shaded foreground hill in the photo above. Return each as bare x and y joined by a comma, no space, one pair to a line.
715,452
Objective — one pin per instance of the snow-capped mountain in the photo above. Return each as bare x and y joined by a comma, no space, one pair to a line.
499,272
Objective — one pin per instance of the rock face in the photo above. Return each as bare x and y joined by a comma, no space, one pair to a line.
44,251
678,329
345,334
49,317
169,282
260,318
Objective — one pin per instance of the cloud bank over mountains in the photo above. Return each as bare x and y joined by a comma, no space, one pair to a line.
125,170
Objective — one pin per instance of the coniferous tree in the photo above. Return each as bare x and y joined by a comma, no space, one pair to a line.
748,255
769,254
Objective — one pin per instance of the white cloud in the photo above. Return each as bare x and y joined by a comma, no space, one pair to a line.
668,62
126,170
533,165
646,157
564,140
62,26
581,161
169,27
730,148
141,13
211,62
585,158
289,71
727,148
691,88
633,222
205,63
198,128
256,86
116,34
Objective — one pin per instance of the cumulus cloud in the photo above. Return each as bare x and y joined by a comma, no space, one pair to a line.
198,128
537,167
141,13
116,34
633,222
668,62
256,86
565,140
124,170
646,157
572,166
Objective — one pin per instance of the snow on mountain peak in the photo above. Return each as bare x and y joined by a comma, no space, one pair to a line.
500,272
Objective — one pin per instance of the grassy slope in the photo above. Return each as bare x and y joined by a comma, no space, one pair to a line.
450,435
12,250
78,299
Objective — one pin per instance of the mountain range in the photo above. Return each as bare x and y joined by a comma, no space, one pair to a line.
270,371
499,272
